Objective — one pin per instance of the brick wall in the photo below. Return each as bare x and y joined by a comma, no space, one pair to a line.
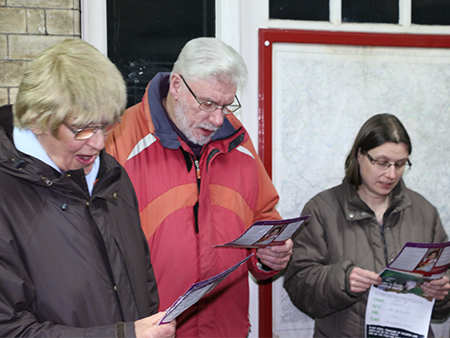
26,28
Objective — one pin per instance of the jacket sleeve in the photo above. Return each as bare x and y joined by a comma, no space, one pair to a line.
265,209
316,286
441,309
17,318
137,248
256,271
151,283
267,194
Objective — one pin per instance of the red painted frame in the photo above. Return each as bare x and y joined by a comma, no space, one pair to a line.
267,37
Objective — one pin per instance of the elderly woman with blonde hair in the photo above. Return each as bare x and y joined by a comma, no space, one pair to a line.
74,260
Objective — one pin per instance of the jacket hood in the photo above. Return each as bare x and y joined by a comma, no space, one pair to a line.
17,164
353,203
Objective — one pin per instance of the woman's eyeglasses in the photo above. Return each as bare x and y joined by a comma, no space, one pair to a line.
87,132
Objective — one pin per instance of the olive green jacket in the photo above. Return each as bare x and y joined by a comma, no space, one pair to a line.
342,233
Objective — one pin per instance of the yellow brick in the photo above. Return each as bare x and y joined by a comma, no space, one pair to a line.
42,3
26,47
3,96
60,22
35,21
76,23
11,73
3,47
12,20
13,94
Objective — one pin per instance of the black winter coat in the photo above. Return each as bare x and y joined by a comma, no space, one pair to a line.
71,264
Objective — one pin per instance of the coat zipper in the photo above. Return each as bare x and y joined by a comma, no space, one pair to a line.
197,171
198,175
383,236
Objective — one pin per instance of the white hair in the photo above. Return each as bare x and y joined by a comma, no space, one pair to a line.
204,58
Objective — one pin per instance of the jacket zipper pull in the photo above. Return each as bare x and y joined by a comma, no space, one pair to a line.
197,169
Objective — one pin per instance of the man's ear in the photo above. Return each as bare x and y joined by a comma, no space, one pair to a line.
175,85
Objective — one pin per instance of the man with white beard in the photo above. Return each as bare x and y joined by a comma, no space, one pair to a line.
199,182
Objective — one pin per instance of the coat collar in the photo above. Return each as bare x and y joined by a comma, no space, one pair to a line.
356,209
29,168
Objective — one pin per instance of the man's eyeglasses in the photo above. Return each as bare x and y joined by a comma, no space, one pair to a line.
87,132
385,165
211,106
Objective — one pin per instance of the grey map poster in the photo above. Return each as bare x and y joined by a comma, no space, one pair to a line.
322,94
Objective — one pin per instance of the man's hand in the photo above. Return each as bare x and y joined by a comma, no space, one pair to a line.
148,327
361,280
437,288
276,257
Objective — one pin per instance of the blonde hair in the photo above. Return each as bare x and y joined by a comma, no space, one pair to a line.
70,80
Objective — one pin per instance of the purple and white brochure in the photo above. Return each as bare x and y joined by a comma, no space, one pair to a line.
266,233
423,259
195,292
399,307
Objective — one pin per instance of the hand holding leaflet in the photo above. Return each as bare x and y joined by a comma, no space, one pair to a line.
266,233
399,307
197,291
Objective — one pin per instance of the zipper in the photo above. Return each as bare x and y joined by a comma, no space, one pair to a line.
383,236
198,175
197,171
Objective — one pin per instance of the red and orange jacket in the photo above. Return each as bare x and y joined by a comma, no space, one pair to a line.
187,206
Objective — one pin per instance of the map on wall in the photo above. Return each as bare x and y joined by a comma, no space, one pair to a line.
322,94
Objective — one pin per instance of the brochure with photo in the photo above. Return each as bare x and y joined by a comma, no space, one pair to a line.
197,291
399,307
266,233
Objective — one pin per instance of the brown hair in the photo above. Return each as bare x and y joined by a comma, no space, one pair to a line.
376,131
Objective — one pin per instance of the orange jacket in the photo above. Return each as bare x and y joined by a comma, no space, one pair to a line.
231,190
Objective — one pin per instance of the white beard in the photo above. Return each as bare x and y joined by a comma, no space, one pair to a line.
182,124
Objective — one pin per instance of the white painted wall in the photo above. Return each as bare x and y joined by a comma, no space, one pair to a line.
93,24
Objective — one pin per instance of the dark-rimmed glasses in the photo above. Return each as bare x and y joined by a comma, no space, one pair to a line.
211,106
385,165
87,132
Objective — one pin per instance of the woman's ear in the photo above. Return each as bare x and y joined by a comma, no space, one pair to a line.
37,131
359,156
